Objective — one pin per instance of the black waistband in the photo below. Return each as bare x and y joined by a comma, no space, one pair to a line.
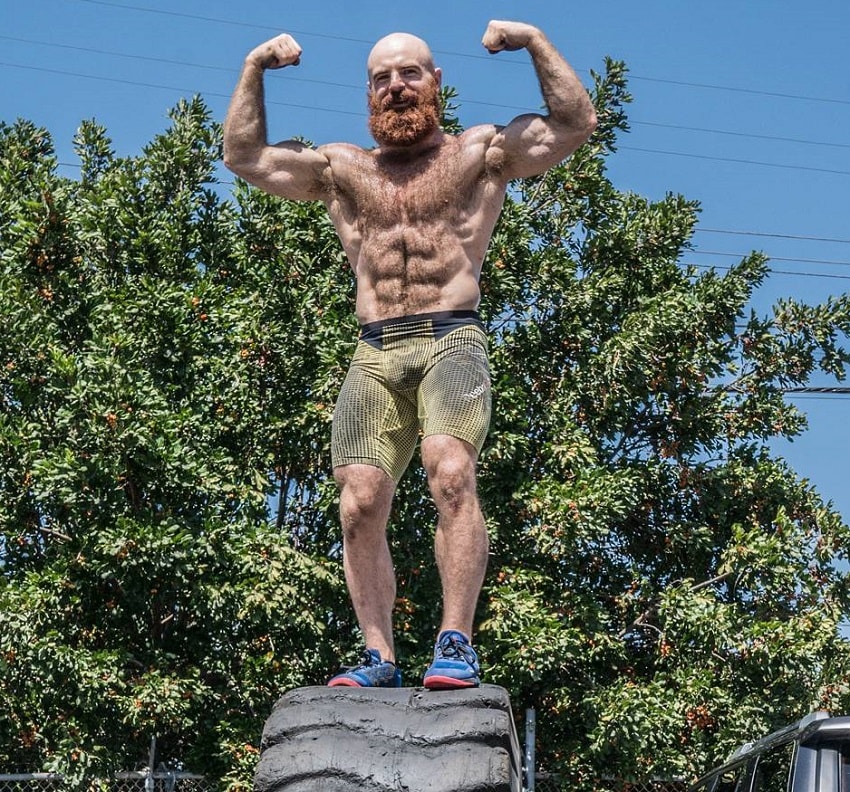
435,325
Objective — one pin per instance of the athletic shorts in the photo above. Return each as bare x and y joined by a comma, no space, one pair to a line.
413,376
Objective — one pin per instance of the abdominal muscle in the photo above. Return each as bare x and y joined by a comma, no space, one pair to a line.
410,273
416,233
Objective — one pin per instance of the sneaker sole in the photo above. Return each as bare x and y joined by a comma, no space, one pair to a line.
344,683
436,682
352,683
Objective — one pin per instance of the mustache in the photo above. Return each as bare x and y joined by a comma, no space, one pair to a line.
405,95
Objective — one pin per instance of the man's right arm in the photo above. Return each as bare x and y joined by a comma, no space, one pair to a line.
289,169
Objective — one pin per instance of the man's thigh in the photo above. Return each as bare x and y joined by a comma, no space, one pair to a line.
372,424
455,397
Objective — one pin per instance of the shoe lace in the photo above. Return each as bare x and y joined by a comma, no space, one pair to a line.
450,646
367,660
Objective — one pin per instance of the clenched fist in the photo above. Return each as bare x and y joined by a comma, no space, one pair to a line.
283,50
501,35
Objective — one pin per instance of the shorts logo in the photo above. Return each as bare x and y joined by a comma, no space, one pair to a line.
479,391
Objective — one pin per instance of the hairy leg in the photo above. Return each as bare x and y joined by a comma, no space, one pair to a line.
460,544
366,495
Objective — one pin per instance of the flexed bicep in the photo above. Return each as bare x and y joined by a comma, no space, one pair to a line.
532,143
290,169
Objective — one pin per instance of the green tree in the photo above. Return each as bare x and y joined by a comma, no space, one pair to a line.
661,586
156,376
664,588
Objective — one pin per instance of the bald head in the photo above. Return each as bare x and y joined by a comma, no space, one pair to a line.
397,50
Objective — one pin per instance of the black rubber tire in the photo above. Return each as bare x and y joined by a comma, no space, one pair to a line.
381,739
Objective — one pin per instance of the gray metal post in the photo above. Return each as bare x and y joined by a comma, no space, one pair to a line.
149,782
530,759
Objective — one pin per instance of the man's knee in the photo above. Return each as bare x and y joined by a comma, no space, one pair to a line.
451,474
365,495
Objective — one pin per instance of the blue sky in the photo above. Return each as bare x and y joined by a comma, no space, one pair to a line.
744,106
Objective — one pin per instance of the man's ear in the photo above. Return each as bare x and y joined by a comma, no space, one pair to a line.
438,75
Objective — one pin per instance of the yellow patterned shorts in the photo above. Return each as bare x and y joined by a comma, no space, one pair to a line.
426,374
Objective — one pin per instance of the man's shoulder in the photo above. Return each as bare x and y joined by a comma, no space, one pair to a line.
347,164
344,152
482,143
479,134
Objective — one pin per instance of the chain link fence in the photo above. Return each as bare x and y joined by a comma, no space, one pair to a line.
31,782
163,781
166,781
135,781
547,782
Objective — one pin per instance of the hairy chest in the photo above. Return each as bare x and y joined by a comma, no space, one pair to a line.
432,189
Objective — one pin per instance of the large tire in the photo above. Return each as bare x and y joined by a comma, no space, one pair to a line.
361,739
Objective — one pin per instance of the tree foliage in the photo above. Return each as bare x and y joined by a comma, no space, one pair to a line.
158,376
661,585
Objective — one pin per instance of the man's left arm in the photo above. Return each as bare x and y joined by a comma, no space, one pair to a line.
533,143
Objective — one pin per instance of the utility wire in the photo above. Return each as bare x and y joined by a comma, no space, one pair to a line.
838,390
776,272
733,160
737,89
841,389
173,88
114,54
223,69
776,138
772,258
352,86
790,273
362,115
774,236
239,23
233,22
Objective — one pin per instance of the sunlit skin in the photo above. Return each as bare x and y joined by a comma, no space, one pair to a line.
415,215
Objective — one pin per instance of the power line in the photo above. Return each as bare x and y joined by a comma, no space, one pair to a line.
839,389
809,274
757,92
772,235
239,23
173,88
362,115
776,272
114,54
217,20
776,138
680,127
166,61
693,252
734,160
810,391
772,258
815,397
359,87
325,109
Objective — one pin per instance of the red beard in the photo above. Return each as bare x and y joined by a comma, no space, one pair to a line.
405,127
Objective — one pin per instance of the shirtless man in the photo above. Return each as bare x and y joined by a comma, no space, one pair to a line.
414,216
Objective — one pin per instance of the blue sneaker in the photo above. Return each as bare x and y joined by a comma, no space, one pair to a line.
455,663
372,672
